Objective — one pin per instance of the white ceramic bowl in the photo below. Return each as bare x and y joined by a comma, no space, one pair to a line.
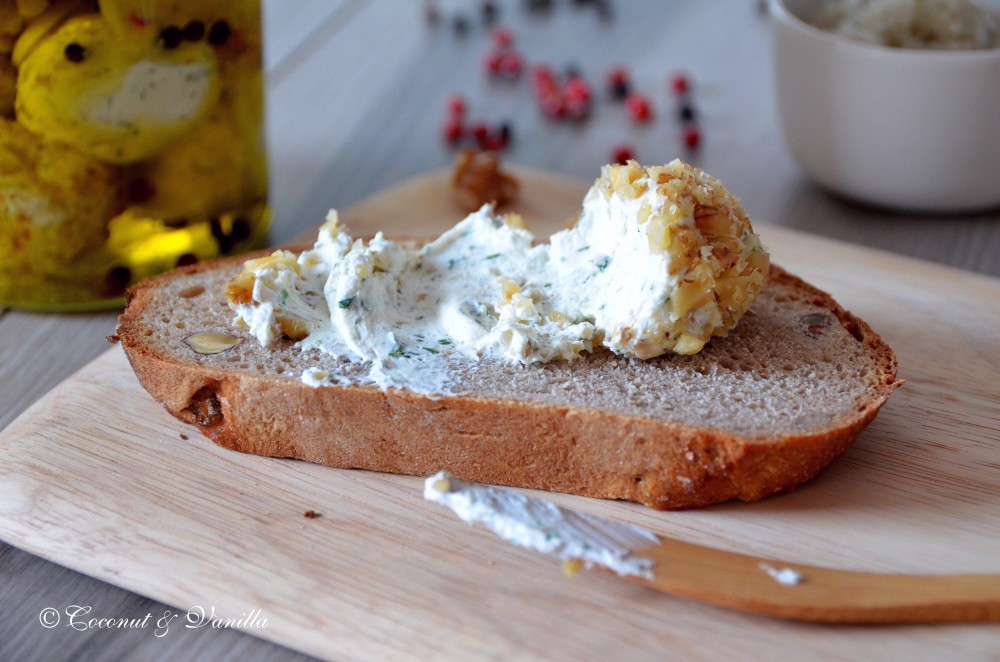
902,128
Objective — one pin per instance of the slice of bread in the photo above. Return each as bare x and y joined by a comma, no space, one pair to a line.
755,413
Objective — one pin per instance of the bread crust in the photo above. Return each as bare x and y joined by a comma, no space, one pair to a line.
664,465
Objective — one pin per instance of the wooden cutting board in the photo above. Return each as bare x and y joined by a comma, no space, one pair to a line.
97,477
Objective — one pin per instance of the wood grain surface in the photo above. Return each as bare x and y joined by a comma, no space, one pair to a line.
115,492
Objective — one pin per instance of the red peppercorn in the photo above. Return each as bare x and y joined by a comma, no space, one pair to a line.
576,88
576,109
576,98
456,106
638,107
493,62
622,154
547,91
492,143
511,65
543,79
453,130
479,131
692,137
502,38
552,105
680,84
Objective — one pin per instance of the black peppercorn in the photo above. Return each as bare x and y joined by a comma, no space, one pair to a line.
140,190
220,235
170,37
117,281
432,14
74,52
687,112
604,10
490,13
538,5
194,31
185,259
506,133
241,229
219,33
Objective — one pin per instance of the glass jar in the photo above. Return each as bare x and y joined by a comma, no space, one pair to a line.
131,141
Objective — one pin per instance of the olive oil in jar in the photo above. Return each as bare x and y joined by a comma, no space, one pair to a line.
131,142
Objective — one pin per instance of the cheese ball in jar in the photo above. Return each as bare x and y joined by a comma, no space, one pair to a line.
135,136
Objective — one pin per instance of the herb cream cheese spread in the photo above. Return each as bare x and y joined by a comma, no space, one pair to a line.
660,260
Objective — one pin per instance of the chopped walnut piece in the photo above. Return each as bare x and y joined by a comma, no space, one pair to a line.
477,180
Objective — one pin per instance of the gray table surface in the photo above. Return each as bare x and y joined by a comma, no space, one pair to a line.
356,93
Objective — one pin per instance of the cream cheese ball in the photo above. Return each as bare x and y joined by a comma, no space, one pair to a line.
683,262
660,260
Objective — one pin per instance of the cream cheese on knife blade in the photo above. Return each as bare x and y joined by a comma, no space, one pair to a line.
544,526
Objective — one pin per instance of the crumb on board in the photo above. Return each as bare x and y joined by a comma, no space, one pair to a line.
184,437
311,514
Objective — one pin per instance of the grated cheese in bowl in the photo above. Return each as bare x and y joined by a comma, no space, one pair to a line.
917,24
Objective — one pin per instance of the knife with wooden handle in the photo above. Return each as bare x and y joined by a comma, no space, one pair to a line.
717,577
751,584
